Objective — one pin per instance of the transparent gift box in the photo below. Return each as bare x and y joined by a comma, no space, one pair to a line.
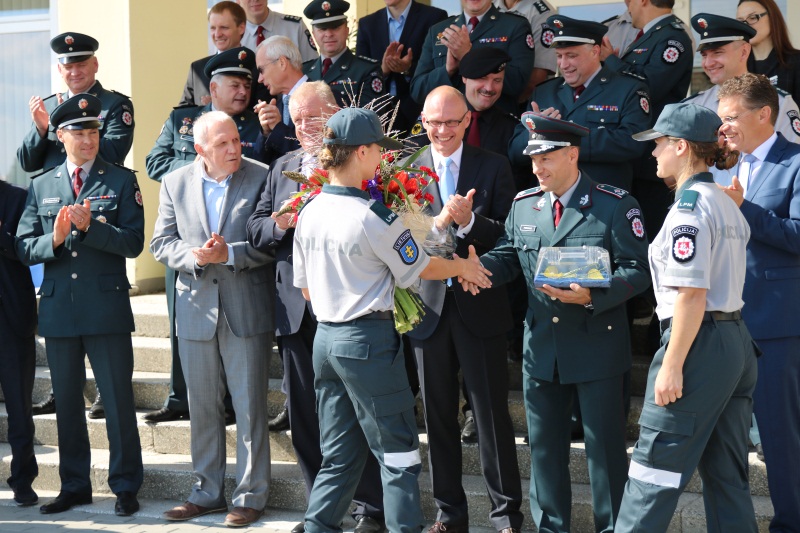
588,266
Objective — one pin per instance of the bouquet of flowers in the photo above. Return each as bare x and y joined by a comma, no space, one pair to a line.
401,188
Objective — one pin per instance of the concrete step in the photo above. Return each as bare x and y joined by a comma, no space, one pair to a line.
169,477
174,438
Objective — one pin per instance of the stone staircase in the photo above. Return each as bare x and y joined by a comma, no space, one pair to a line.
168,474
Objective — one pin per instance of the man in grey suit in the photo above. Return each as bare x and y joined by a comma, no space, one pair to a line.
201,233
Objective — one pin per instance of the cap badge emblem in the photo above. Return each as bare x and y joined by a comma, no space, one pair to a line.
69,39
82,103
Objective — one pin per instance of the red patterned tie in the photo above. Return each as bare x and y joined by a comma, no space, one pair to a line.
326,64
77,182
559,209
473,21
474,136
578,90
259,35
639,35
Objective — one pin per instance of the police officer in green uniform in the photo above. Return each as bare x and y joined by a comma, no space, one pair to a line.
232,74
77,65
479,25
83,219
349,254
699,397
613,106
353,79
576,339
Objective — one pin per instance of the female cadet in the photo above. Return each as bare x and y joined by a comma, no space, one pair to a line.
699,391
349,254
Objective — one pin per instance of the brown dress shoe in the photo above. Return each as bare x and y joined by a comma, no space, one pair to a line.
440,527
242,516
188,510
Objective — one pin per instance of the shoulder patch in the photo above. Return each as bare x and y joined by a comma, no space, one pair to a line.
384,213
406,247
688,200
634,215
547,36
644,101
530,192
794,120
293,18
613,191
683,243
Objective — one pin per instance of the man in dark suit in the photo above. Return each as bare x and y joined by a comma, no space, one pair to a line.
394,37
479,25
201,234
18,349
767,191
226,23
354,80
295,323
82,220
461,331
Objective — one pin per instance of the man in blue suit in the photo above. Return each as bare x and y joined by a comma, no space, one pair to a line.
394,36
767,190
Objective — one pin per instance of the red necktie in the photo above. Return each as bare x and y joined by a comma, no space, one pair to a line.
326,64
639,35
578,90
559,209
259,35
77,182
473,21
474,136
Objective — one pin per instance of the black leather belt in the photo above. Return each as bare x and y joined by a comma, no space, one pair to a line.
378,315
717,316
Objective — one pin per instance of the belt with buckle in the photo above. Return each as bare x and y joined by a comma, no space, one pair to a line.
708,316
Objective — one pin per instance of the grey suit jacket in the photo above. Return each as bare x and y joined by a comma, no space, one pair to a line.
244,290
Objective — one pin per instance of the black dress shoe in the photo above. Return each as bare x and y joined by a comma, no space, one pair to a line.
367,524
299,528
98,410
165,414
25,496
64,501
127,504
230,418
470,432
280,422
46,407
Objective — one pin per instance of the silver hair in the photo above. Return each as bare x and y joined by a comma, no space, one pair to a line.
204,124
279,46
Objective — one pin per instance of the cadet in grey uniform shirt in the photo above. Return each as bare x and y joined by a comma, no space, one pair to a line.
349,254
699,396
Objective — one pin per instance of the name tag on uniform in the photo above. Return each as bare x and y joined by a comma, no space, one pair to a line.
51,201
527,228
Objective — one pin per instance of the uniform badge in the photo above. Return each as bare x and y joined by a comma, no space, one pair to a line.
644,101
377,85
406,248
127,118
183,130
102,219
671,54
794,120
541,7
529,41
584,199
242,55
326,6
82,103
138,197
541,203
527,228
635,217
416,129
683,239
69,39
702,23
547,36
310,40
558,24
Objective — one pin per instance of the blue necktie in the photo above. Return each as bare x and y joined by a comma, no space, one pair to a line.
286,117
447,187
750,159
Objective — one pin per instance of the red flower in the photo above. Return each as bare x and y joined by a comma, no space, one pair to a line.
429,198
430,173
388,157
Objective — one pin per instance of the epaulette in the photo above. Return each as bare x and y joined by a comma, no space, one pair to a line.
519,14
677,24
186,106
125,168
552,80
610,19
692,97
541,7
613,191
688,200
529,192
384,213
365,58
293,18
54,95
119,93
42,172
634,75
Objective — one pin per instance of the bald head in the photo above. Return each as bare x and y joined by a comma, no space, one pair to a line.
446,118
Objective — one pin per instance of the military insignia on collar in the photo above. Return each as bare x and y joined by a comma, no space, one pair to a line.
406,248
69,39
794,120
584,199
671,54
541,202
547,36
82,103
635,216
529,41
683,243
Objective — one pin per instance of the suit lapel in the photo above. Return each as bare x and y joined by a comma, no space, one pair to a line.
92,182
231,195
426,160
408,27
484,26
468,171
775,154
65,185
573,214
543,216
566,95
197,197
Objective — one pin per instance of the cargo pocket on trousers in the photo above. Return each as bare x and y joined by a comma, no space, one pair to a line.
660,453
394,416
349,349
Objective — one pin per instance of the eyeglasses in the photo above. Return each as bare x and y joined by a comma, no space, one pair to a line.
752,18
261,69
735,118
449,123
